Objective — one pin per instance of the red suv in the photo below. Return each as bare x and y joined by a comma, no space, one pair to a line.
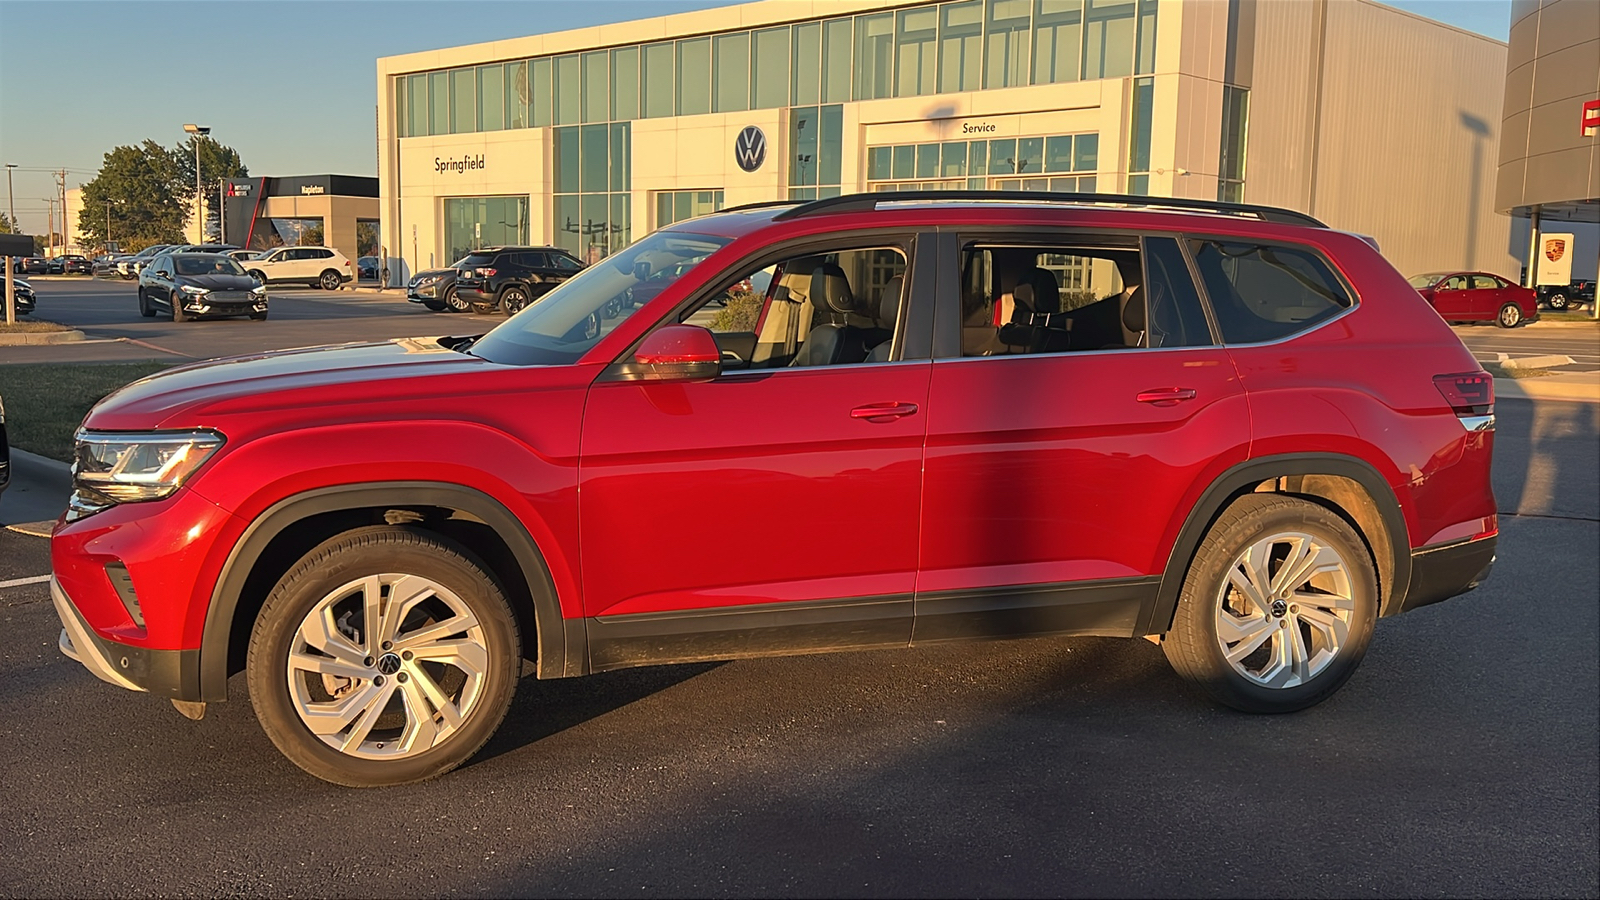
867,421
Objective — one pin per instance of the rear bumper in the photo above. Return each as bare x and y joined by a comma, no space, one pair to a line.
165,673
1449,571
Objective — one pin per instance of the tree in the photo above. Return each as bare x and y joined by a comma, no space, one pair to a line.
217,161
6,226
143,188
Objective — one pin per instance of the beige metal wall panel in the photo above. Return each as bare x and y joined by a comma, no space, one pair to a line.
1408,137
1277,157
1205,39
1565,23
1553,66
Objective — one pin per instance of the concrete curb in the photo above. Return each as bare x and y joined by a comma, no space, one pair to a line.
1554,387
30,338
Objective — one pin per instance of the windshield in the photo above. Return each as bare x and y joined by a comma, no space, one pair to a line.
1422,281
189,264
570,319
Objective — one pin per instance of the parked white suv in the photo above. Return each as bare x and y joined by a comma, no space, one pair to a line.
317,266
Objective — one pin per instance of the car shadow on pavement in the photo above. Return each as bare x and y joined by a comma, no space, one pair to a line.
1547,458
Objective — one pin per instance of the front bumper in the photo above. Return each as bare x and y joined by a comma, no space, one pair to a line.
1449,571
166,673
419,292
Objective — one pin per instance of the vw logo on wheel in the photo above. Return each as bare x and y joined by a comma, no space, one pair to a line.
750,148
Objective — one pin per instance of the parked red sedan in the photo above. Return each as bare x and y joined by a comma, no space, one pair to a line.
1477,297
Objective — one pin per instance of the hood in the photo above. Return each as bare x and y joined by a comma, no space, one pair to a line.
434,273
219,282
347,374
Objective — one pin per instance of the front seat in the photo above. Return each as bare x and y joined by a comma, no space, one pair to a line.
1035,325
888,314
832,341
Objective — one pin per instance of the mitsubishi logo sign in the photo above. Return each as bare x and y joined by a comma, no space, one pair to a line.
750,148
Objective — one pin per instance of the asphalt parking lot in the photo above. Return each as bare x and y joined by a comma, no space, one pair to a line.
1459,761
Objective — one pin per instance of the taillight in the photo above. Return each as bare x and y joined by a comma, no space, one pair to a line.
487,273
1469,393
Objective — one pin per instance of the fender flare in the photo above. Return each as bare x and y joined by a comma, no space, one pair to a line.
560,643
1254,471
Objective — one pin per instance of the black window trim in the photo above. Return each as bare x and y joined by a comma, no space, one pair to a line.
1205,295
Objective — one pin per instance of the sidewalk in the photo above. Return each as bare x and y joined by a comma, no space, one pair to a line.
1579,386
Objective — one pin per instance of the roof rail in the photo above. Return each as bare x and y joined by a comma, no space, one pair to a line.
764,204
869,201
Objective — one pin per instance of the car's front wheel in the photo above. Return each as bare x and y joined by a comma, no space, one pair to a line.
177,307
1277,607
1557,301
455,302
434,305
1510,316
385,656
145,309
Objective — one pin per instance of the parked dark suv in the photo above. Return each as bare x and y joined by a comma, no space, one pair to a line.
876,420
512,277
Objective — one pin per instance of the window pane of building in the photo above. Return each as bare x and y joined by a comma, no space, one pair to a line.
1235,129
656,88
1058,154
417,96
463,101
595,213
1147,37
621,159
597,87
594,159
569,90
625,83
769,70
977,157
804,133
566,160
731,70
836,49
1006,48
905,161
516,88
878,163
1030,155
831,149
960,46
1139,185
491,98
1057,27
916,51
540,88
439,102
953,160
568,225
1003,157
402,105
1139,145
621,233
694,77
807,84
1086,153
874,56
1108,39
927,161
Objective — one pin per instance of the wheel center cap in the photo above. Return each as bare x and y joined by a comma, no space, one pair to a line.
389,663
1278,609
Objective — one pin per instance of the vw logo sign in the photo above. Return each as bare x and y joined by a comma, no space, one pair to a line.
750,148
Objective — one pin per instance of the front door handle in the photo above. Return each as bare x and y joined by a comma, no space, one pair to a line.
1166,396
873,412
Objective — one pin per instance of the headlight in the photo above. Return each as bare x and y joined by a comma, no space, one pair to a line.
191,289
259,290
129,468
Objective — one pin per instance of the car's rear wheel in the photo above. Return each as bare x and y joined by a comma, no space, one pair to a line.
1557,300
1277,608
177,307
258,275
1510,316
455,303
145,309
513,300
385,656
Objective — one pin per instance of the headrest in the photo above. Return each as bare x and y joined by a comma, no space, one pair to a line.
830,290
1037,292
1133,310
889,301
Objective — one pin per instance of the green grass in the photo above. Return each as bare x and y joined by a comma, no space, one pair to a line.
28,326
45,403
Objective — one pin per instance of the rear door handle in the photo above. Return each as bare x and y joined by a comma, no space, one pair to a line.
1166,396
874,411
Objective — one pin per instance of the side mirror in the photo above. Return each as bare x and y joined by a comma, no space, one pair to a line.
685,353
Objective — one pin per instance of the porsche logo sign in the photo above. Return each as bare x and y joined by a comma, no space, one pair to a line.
1555,248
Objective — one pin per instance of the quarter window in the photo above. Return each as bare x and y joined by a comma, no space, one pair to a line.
1263,292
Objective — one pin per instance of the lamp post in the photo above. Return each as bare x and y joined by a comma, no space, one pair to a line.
11,200
198,132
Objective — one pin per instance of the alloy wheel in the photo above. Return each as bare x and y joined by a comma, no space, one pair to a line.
1510,315
513,301
1285,610
387,666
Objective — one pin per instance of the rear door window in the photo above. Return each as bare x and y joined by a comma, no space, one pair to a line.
533,260
1265,292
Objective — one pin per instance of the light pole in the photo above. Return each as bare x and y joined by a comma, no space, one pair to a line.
198,132
11,201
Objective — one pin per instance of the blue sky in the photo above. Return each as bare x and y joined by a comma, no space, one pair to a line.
289,84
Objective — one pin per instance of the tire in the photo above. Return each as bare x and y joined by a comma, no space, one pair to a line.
258,275
1557,301
329,280
258,317
177,308
1304,658
1510,316
513,300
316,616
435,305
454,303
145,309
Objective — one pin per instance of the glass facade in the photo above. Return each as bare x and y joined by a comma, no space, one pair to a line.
1235,130
1062,162
302,232
474,222
816,145
1144,92
962,45
593,183
675,206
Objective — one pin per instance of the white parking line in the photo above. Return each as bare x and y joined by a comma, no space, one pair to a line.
19,582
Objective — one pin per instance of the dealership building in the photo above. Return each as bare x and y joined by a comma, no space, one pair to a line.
1372,119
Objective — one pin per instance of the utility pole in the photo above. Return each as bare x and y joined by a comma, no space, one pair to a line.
61,186
11,201
107,240
198,132
49,222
